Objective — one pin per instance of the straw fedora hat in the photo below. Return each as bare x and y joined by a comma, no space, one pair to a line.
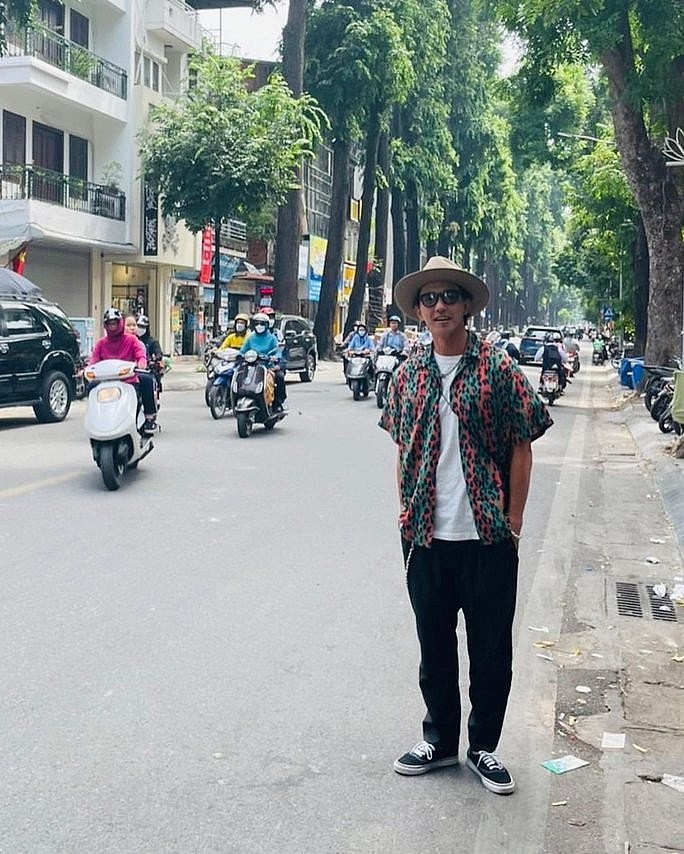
439,269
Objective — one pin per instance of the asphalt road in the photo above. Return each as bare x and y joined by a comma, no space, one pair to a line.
221,656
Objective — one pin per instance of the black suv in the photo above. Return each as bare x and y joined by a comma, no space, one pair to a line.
38,354
300,345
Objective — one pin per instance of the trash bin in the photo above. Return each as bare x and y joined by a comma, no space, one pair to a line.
637,373
626,370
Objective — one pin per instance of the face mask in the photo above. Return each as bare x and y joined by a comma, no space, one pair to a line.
259,327
141,331
239,327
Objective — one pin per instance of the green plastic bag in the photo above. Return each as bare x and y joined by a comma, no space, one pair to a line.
678,398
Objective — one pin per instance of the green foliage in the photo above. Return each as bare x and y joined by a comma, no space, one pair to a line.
223,151
14,10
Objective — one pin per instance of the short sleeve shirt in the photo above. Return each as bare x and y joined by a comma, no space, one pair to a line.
497,408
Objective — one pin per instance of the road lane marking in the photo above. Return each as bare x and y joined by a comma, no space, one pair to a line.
13,491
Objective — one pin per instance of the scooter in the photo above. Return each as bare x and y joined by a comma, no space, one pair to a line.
114,420
252,393
219,393
359,373
549,386
386,363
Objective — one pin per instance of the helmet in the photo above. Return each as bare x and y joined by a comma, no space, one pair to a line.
243,317
112,314
260,318
143,321
267,310
395,317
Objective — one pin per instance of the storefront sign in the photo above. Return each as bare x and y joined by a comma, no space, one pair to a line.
207,247
150,220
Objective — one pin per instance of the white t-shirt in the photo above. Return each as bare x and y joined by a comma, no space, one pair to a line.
453,513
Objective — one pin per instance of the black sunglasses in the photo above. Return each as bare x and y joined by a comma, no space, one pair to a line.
449,297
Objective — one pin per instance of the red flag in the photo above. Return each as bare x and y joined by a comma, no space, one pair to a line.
207,244
19,260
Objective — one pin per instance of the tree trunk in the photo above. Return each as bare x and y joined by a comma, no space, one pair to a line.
376,294
367,202
412,227
325,316
659,192
217,274
641,289
398,237
289,230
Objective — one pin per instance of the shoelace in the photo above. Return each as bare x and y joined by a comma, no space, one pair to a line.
424,748
490,761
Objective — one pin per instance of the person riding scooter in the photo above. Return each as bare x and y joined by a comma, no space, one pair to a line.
394,337
117,344
238,336
154,351
264,342
552,357
361,342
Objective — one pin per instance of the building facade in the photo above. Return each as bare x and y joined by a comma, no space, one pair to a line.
75,90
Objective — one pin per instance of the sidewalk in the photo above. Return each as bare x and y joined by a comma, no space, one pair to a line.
626,641
187,373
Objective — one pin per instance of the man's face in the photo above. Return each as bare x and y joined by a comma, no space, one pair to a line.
442,319
394,325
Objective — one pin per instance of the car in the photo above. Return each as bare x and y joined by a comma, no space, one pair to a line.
300,345
532,339
39,350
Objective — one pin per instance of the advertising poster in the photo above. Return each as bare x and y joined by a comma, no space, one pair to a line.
317,249
347,283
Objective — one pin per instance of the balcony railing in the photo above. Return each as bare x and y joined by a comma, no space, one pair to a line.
31,182
233,234
49,46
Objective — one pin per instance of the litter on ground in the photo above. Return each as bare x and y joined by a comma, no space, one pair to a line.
613,741
563,764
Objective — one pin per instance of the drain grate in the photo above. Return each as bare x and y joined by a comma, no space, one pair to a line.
628,599
661,607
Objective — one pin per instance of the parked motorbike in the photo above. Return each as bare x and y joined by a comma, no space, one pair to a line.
549,386
114,420
359,373
387,361
252,393
80,385
219,393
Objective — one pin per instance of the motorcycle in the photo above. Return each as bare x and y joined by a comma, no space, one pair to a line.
386,363
80,385
549,386
598,357
252,393
114,420
359,373
574,361
219,393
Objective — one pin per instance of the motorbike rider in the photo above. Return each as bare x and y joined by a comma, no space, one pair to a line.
361,342
553,356
394,337
599,347
154,351
117,344
264,342
271,315
238,336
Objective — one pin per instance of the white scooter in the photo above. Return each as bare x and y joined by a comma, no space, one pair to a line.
114,420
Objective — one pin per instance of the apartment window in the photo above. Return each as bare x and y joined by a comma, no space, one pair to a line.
151,75
48,157
155,76
51,14
78,167
79,29
13,138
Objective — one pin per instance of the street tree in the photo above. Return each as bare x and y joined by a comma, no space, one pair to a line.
388,77
222,151
638,44
289,230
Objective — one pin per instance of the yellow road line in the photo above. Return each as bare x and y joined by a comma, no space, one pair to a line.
13,491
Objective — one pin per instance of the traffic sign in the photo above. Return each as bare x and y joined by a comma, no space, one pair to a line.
608,313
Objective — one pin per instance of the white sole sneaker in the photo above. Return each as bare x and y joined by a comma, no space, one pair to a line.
414,770
497,788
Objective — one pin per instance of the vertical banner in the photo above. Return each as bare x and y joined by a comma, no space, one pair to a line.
317,250
207,246
150,220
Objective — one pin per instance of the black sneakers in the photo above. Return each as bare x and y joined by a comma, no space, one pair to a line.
422,758
491,772
150,426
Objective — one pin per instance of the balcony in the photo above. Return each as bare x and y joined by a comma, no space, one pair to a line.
176,23
19,182
47,45
234,235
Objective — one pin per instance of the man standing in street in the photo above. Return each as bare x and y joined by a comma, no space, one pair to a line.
463,416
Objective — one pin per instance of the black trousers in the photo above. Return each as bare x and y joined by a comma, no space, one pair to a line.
146,392
480,581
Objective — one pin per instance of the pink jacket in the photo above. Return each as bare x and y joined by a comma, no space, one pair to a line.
126,347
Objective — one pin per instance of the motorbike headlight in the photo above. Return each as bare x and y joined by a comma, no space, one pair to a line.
251,356
108,394
259,388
